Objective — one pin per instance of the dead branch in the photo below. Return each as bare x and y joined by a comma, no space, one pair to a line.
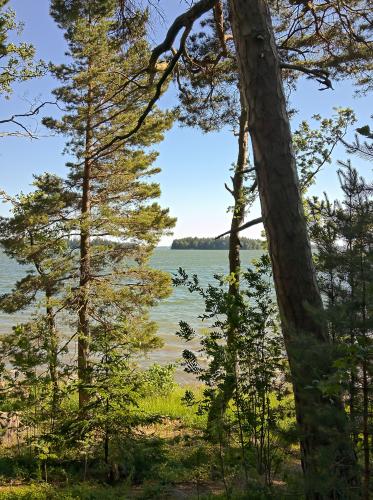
15,120
251,223
321,76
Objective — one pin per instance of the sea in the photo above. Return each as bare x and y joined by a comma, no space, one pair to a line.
181,305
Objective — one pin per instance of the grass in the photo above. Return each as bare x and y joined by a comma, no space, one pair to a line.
168,459
171,406
76,492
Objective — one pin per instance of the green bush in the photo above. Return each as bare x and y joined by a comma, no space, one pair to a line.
159,380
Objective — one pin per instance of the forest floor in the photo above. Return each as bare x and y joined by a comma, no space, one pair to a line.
171,459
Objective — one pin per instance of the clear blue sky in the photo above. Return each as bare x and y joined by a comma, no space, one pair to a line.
194,165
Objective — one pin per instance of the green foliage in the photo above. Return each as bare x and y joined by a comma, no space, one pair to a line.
314,147
82,491
66,13
342,232
363,149
258,361
111,281
159,380
17,60
172,406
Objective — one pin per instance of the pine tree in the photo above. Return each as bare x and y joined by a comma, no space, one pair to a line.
103,91
363,149
342,232
261,66
36,236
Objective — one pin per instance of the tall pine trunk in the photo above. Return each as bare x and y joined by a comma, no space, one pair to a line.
85,263
327,456
222,399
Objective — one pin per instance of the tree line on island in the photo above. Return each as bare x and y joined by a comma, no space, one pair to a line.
283,407
194,243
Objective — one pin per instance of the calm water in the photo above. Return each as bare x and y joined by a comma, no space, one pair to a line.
181,305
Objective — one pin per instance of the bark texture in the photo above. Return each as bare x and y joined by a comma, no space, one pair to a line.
85,265
327,456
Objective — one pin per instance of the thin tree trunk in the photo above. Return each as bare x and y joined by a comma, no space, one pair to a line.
327,456
366,481
365,384
353,411
107,437
239,202
53,356
224,396
85,265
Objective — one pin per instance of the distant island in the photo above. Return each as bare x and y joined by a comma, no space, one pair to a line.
193,243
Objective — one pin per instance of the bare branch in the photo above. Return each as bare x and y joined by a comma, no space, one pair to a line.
321,76
253,186
251,223
15,120
249,170
228,189
219,23
185,20
32,112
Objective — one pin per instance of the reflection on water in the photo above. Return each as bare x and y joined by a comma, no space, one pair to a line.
181,305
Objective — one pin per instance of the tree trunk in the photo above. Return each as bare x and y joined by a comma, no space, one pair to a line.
365,382
239,201
327,456
53,356
366,481
85,266
222,399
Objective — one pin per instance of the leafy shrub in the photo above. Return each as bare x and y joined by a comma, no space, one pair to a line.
159,380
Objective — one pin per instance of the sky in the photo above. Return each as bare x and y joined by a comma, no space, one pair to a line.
194,165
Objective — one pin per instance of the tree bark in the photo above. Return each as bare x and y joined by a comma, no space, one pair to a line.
224,396
327,456
85,265
239,202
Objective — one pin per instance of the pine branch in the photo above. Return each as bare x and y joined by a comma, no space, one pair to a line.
185,21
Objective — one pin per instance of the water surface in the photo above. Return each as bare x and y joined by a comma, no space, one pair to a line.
181,305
